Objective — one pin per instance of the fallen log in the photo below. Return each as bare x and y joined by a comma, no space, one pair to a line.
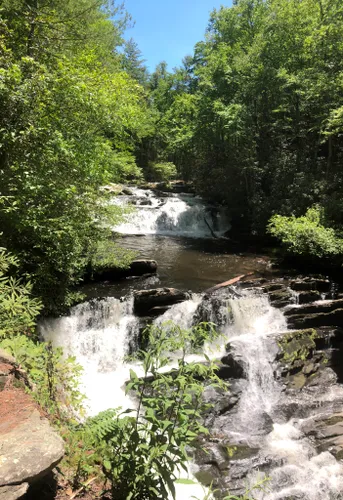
228,283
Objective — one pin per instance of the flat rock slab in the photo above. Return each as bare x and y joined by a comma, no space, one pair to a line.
30,447
13,492
146,300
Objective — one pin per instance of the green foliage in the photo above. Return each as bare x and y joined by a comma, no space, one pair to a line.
254,117
143,449
54,378
109,255
296,346
164,171
306,235
18,309
70,119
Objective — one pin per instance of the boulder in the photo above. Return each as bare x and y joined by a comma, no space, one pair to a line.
143,266
30,448
310,296
13,492
328,433
146,300
280,297
126,191
319,284
331,318
231,367
137,268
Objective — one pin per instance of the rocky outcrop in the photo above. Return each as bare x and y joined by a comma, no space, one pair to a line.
137,268
30,447
152,302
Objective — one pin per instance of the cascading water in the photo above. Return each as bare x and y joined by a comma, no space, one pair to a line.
100,334
253,320
297,471
172,215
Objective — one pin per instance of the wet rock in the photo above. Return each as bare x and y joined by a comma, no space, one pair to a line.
126,191
141,267
222,401
213,309
144,202
136,268
296,347
322,307
298,381
30,448
332,318
232,367
281,298
328,433
306,284
310,296
146,300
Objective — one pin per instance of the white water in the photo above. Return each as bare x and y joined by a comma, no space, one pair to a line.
98,334
253,321
174,215
302,472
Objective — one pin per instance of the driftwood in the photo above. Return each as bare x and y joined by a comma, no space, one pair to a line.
228,283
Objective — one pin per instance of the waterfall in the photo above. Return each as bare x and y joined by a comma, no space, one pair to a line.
253,321
101,333
299,471
98,333
172,215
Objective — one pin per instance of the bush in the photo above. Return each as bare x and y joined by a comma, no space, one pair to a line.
54,378
142,450
162,172
306,235
18,309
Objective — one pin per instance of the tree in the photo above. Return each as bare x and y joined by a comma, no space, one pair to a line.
133,63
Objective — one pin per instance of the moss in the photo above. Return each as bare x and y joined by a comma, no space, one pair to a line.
297,346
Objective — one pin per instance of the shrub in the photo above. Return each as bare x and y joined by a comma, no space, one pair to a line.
18,309
164,171
55,379
306,235
143,449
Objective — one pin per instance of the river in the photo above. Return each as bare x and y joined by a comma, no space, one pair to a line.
171,229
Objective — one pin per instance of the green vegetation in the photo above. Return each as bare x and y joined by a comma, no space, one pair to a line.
296,346
306,235
70,118
254,117
18,309
164,171
143,449
54,379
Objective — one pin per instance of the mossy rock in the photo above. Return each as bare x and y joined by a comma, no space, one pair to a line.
297,346
239,452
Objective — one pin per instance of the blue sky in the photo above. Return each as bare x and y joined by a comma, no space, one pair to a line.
168,29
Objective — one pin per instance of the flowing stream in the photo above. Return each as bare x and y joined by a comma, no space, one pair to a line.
100,333
171,215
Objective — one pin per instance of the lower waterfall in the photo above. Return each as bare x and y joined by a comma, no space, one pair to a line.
101,333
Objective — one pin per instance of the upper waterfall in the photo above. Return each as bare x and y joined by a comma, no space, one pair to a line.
170,215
